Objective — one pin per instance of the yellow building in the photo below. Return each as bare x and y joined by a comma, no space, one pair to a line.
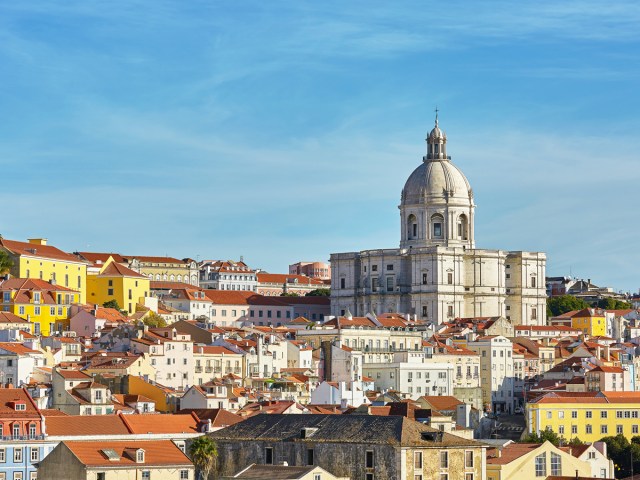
45,305
36,259
113,281
590,321
587,416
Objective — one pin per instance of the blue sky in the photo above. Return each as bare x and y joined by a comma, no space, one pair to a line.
284,131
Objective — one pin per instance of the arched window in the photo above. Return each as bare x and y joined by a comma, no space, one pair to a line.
412,227
150,276
172,278
463,227
437,226
164,277
179,278
157,276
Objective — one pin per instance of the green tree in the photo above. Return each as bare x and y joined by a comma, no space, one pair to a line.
575,442
612,304
289,294
623,453
111,304
5,262
563,304
545,435
153,320
204,454
319,292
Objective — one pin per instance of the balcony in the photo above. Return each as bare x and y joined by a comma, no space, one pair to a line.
208,369
198,369
23,438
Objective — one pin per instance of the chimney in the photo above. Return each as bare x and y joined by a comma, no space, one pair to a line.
37,241
577,476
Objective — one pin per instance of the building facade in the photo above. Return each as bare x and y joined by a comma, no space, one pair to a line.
437,273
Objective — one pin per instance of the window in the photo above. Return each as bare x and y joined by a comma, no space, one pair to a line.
17,455
533,285
184,474
16,428
3,455
310,456
343,283
574,414
561,414
444,476
417,459
389,284
589,413
35,454
437,230
424,278
17,476
268,456
541,465
588,429
468,476
603,429
424,310
619,429
146,475
140,456
110,292
36,311
561,429
603,414
574,429
450,278
556,464
444,459
634,428
368,459
450,311
468,459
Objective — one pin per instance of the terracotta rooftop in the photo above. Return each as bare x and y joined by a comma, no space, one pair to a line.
157,453
35,250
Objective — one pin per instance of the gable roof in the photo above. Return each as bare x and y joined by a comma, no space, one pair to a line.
84,425
36,250
157,453
167,423
8,317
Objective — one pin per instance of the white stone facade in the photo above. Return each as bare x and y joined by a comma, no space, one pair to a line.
437,273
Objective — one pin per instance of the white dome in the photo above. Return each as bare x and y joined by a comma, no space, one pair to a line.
436,207
436,180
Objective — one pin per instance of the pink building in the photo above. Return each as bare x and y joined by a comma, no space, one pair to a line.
319,270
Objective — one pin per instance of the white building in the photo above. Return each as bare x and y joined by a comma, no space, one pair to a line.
437,273
17,362
496,371
410,373
227,275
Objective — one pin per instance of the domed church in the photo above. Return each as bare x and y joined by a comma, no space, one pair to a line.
437,273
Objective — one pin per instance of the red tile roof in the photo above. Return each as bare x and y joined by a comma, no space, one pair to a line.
157,453
156,423
9,396
8,317
35,250
17,348
85,425
114,269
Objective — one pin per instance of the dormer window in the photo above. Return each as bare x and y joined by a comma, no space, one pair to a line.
20,406
140,456
36,297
